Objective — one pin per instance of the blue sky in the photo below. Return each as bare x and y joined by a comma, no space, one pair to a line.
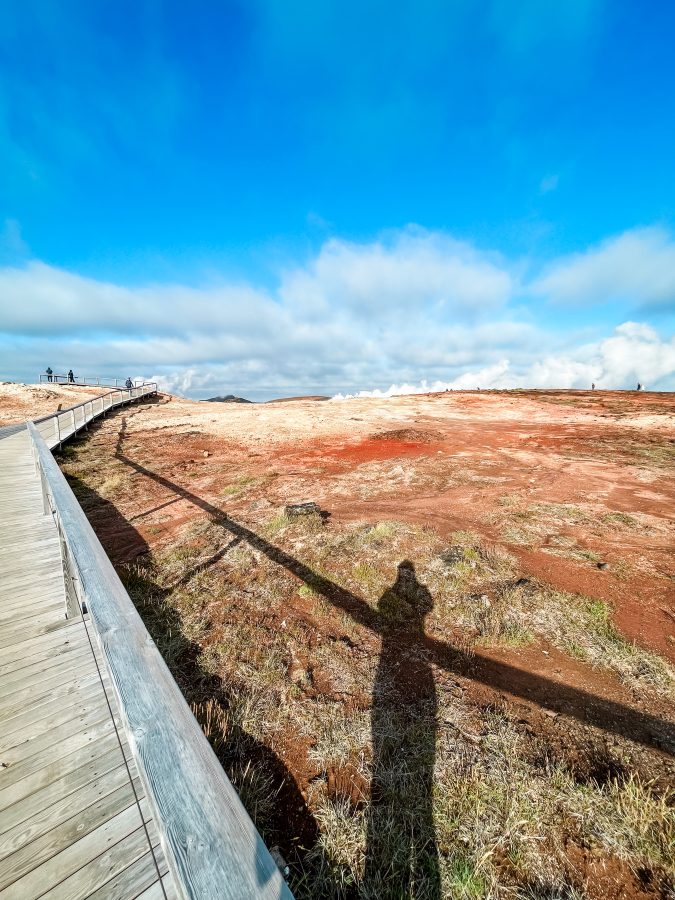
288,197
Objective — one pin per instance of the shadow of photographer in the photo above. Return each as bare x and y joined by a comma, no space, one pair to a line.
401,854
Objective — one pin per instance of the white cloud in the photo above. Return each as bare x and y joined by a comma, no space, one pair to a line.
413,269
638,265
633,353
414,305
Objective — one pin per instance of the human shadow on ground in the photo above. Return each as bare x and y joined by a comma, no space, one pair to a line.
608,715
401,851
402,857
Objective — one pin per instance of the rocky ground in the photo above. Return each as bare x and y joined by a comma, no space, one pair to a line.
451,678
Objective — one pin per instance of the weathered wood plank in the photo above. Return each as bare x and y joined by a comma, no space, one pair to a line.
33,581
56,693
61,845
53,770
134,880
43,652
49,684
41,669
39,820
24,731
25,612
164,891
36,628
70,629
57,792
96,857
21,744
100,871
48,756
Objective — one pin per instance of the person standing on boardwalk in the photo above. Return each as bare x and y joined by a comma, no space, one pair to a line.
71,377
49,372
128,384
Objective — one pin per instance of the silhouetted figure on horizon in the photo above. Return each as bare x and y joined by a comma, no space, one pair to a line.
50,373
129,384
71,377
401,853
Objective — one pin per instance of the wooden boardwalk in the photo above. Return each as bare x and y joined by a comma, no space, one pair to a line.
74,821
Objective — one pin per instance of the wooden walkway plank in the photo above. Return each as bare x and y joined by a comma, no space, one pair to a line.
56,769
33,721
87,727
58,791
104,846
49,756
40,819
69,630
38,626
133,881
63,695
24,612
97,875
63,840
54,684
44,669
45,651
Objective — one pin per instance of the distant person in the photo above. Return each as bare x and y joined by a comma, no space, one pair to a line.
71,377
639,387
50,373
593,386
129,383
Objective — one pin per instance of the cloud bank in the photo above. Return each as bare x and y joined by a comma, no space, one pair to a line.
412,310
633,353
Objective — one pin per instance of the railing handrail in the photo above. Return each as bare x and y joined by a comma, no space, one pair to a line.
210,842
93,380
119,390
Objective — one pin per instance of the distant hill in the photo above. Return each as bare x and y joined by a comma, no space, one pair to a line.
229,398
290,399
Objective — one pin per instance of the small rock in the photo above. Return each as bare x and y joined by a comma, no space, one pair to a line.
294,510
551,713
206,453
603,565
281,863
261,503
451,556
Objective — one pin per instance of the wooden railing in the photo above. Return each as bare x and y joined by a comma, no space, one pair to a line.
213,848
57,427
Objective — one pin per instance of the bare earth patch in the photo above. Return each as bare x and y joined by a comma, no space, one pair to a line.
455,681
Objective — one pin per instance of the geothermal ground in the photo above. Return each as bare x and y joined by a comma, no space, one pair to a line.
454,678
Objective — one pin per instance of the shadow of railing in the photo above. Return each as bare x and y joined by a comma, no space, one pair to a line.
287,819
591,709
404,705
